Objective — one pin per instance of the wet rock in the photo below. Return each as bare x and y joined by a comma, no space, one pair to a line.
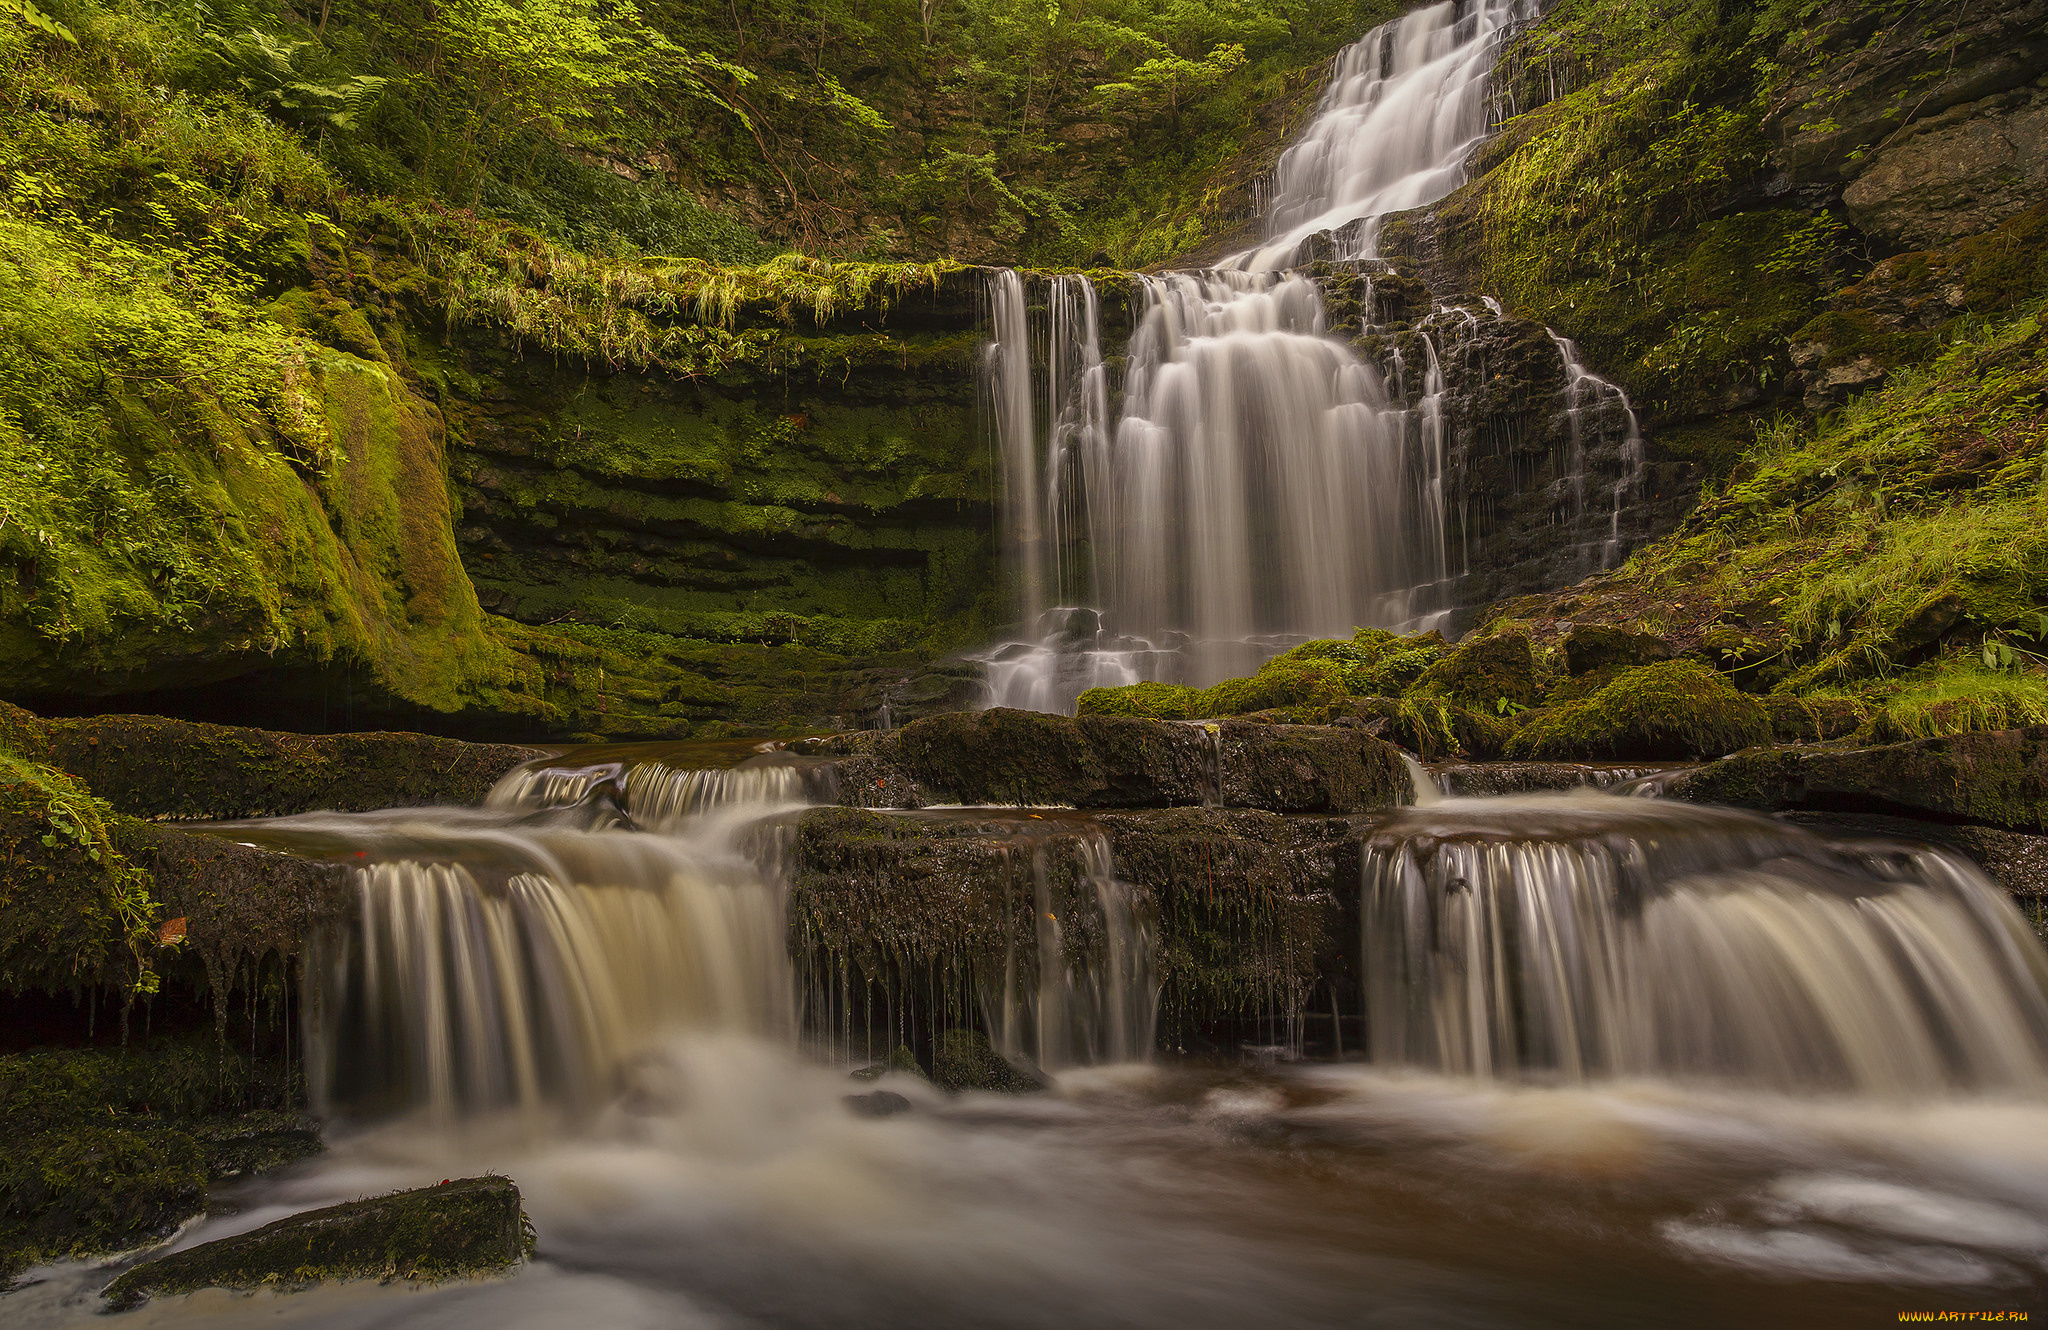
1465,779
2015,860
1999,778
468,1227
108,1149
1961,173
876,1104
902,1062
1307,769
153,766
258,1142
914,917
964,1060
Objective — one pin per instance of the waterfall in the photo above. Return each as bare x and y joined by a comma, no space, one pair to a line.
652,795
1260,485
499,966
1587,394
1066,1003
1580,937
1404,106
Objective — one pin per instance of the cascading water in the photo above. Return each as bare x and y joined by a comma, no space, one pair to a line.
520,956
1261,485
1404,106
1587,395
1581,937
1075,1006
524,955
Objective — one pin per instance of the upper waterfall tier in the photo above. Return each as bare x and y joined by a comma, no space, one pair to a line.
1404,106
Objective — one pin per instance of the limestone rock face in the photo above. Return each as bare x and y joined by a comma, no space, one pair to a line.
1959,176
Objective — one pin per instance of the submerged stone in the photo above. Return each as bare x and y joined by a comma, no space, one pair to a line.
472,1226
876,1104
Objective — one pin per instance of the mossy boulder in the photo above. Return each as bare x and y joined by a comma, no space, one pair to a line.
1592,646
1404,661
1307,769
1814,719
1482,672
1429,726
964,1060
1281,682
469,1227
1678,709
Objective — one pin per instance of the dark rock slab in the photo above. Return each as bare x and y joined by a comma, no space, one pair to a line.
153,766
460,1228
1998,778
1026,758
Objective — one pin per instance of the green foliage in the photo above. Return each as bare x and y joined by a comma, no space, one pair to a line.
1958,697
1912,517
266,72
27,13
77,901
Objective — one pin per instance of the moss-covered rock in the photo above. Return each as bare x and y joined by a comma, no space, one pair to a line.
964,1060
1308,769
106,1149
473,1226
1677,709
1814,719
917,919
1016,758
1594,646
1483,672
1154,701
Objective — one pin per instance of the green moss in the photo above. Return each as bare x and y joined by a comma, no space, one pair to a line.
75,909
1591,647
1678,709
1401,664
104,1150
1157,701
1485,672
963,1060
